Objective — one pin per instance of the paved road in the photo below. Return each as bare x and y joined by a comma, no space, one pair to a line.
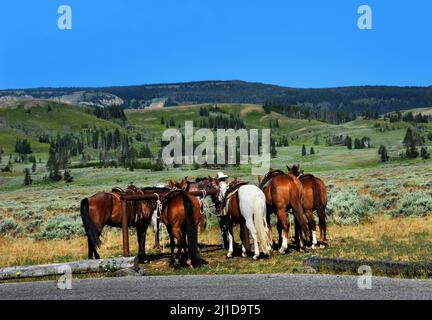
281,286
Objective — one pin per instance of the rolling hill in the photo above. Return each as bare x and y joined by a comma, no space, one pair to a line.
351,99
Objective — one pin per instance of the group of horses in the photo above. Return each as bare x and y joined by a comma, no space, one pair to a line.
246,204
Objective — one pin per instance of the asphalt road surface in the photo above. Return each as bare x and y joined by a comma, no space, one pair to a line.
275,286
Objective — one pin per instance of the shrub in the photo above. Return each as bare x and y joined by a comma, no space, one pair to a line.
61,227
417,203
347,207
9,226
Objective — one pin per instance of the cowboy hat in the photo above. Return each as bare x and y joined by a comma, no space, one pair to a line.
221,175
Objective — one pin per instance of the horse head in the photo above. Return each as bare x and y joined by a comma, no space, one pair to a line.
294,170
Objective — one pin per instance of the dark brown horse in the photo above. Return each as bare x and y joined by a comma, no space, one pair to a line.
200,184
105,208
156,214
181,215
284,192
314,198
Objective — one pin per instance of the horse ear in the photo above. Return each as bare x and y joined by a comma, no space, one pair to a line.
289,169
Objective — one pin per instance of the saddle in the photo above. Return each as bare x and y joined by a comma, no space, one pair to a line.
232,189
117,190
305,176
133,207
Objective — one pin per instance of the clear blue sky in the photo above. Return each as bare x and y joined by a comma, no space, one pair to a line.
308,43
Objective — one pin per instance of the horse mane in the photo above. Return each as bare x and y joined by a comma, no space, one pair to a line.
155,189
200,179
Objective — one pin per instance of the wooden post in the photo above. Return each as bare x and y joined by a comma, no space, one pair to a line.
125,229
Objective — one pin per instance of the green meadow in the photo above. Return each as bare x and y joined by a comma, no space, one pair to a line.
376,210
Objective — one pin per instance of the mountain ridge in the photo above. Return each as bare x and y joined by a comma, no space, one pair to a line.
382,98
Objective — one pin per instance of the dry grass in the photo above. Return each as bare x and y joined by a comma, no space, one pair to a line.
381,238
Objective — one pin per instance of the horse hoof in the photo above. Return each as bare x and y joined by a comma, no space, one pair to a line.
244,254
282,251
255,257
229,255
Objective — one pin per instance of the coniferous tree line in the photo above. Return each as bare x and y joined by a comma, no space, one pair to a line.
222,122
23,147
205,111
110,112
408,117
309,113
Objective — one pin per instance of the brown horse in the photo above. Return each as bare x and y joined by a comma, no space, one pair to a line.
156,215
105,208
284,192
314,198
200,184
181,215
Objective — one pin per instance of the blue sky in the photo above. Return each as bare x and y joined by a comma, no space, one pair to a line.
309,43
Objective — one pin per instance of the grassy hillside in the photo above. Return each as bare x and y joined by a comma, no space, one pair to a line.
31,119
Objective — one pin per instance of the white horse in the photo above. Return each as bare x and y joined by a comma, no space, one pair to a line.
250,201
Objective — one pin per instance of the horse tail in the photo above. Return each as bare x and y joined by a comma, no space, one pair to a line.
261,225
319,204
317,196
90,228
192,232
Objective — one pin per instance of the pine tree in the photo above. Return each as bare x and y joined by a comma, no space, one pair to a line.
410,142
312,151
303,152
382,151
33,167
67,176
348,142
273,151
424,153
27,177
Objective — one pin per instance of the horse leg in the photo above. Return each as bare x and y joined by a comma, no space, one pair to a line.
244,233
298,238
230,237
90,249
184,256
298,214
202,220
268,220
172,246
178,236
279,229
312,227
251,226
141,235
323,228
282,217
96,254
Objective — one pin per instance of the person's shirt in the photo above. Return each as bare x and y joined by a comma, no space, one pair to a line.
223,187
